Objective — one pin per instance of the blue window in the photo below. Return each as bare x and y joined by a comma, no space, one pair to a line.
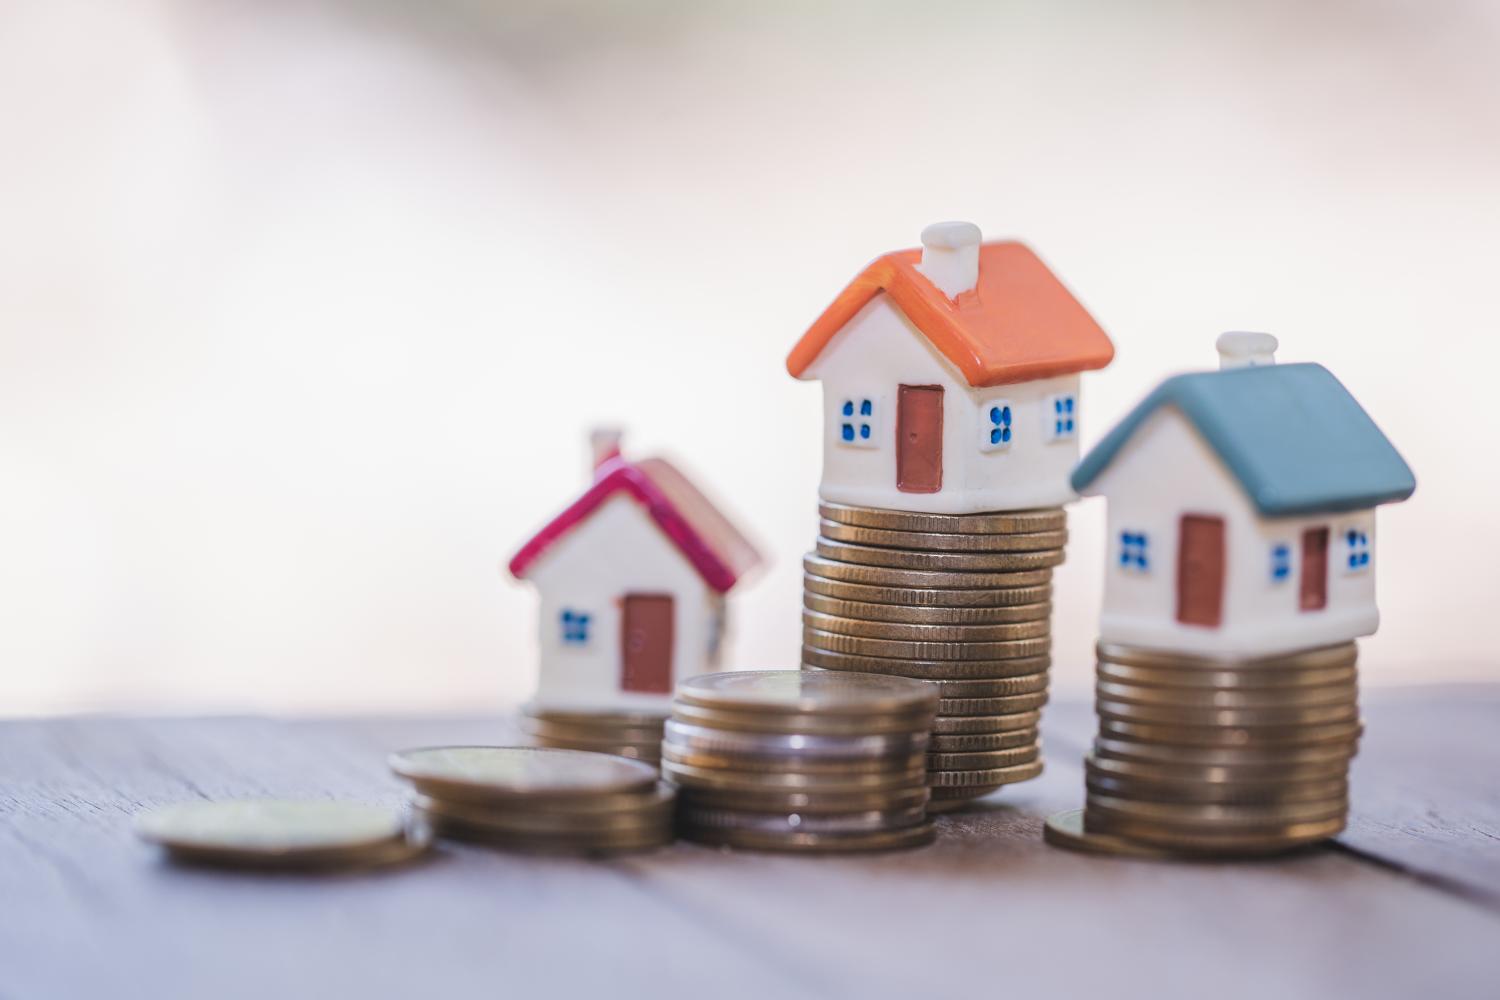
575,627
1356,550
1134,554
1064,415
858,424
995,429
1281,562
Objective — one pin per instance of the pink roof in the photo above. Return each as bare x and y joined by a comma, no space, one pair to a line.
717,550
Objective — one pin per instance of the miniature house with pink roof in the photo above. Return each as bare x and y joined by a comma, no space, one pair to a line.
633,578
950,378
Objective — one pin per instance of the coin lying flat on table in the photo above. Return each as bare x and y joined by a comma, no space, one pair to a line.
1065,829
1247,681
1248,842
1223,793
806,723
917,597
281,833
833,843
933,541
485,773
1008,562
643,812
790,823
833,568
1007,522
1286,665
711,740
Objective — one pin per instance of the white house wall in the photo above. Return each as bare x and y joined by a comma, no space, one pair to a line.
618,550
878,351
1168,470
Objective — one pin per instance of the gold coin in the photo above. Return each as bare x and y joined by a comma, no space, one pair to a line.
594,720
984,776
899,649
704,739
760,764
646,755
995,523
1231,843
694,818
1230,736
928,670
992,562
1322,658
805,723
726,780
1180,715
897,614
955,725
480,773
310,834
1249,681
650,812
1220,699
554,843
991,687
1337,753
976,760
932,541
937,633
790,801
572,731
799,692
967,743
1237,774
1230,817
1065,829
949,799
1264,793
932,598
992,706
817,843
926,579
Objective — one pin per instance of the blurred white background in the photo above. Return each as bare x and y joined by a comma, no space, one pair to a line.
305,307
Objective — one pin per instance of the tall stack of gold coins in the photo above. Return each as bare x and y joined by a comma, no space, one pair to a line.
1210,756
538,799
636,735
963,601
784,760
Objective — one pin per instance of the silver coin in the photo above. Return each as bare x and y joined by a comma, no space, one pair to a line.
907,615
904,649
928,670
705,739
926,633
931,541
926,579
1009,562
992,523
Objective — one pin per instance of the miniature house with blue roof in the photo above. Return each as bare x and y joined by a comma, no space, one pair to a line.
1242,509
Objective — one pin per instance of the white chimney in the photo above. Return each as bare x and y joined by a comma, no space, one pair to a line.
604,444
1239,349
950,257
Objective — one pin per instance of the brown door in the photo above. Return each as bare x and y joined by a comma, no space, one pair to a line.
1314,596
919,439
646,644
1200,571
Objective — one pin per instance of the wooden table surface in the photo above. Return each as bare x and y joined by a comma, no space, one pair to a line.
1406,904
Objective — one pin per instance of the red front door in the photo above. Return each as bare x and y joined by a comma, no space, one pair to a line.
646,644
919,439
1314,592
1200,571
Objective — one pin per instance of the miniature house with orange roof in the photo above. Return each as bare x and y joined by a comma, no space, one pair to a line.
950,378
633,578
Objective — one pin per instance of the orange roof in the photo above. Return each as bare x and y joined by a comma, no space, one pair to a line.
1018,324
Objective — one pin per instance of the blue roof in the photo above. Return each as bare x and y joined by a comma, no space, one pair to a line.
1291,434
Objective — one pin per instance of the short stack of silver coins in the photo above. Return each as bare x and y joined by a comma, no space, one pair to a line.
538,799
1210,756
963,601
636,735
785,760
